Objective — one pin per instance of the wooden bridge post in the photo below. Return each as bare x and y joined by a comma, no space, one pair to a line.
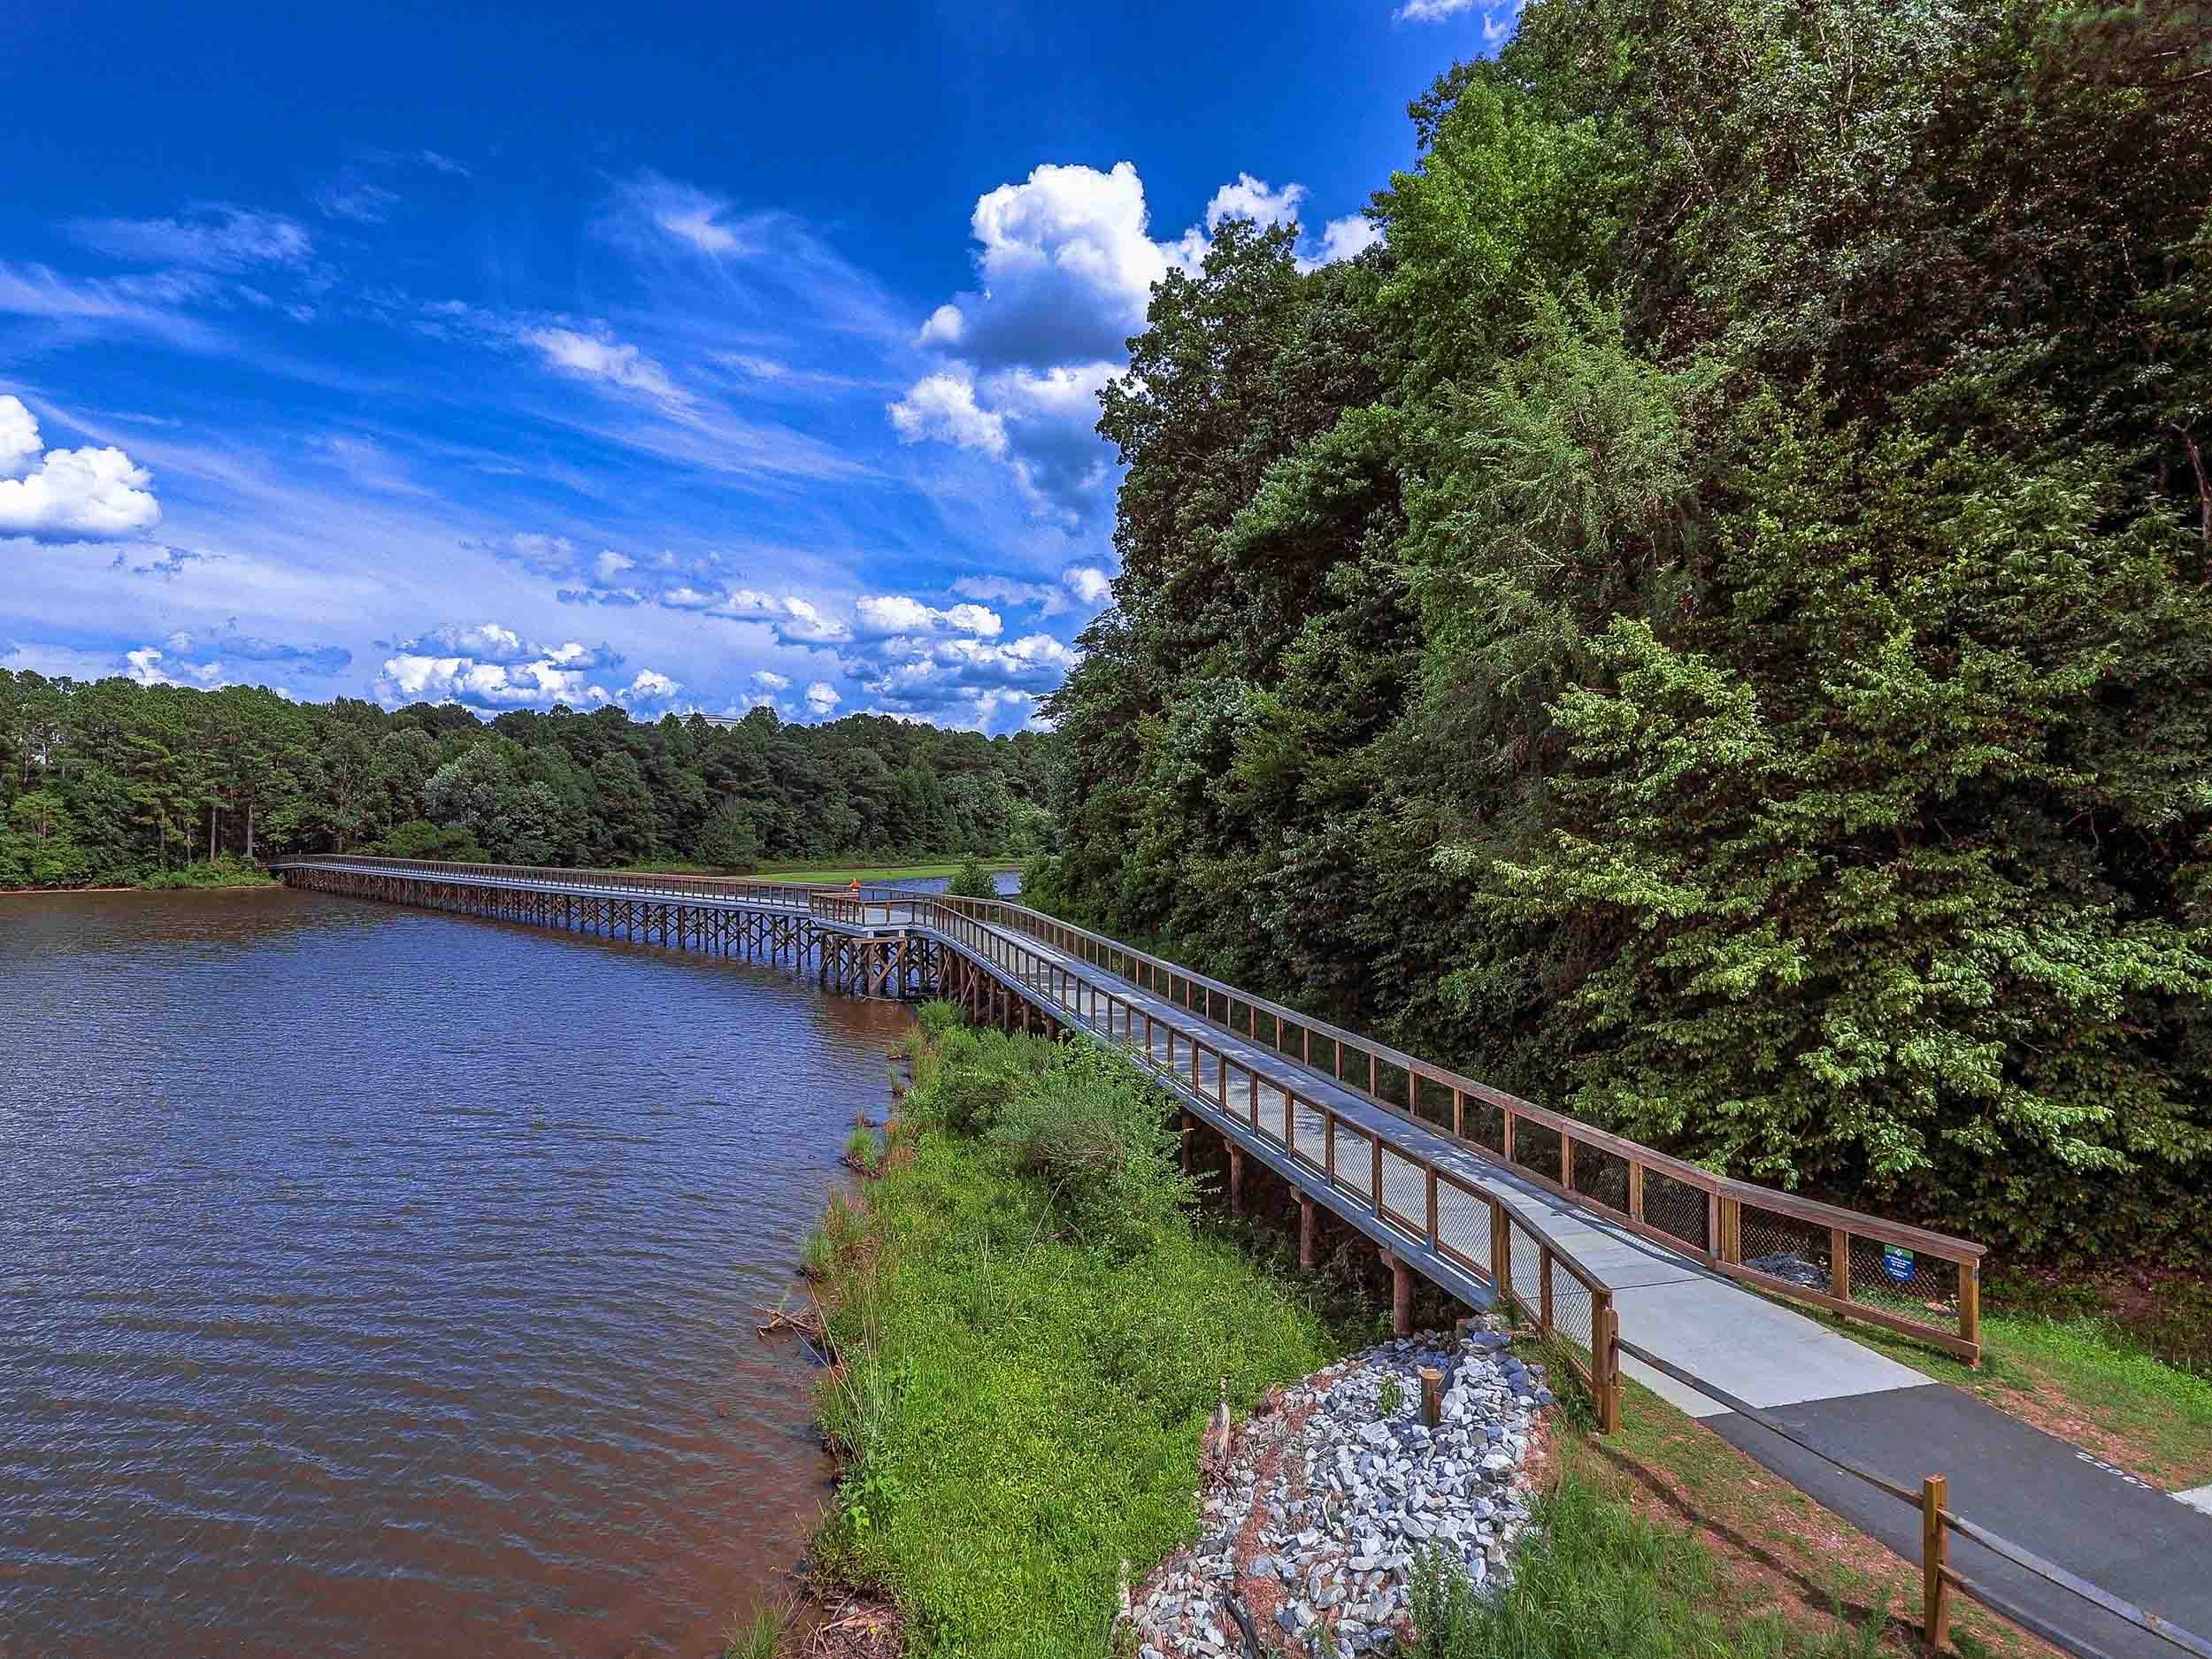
1309,1233
1400,1295
1236,1178
1500,1250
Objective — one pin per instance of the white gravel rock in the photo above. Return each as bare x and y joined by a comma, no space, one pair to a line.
1330,1534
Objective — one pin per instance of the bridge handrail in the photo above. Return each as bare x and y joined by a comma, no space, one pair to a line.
1777,1219
799,897
1544,1302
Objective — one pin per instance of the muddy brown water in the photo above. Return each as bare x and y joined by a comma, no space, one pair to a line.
379,1282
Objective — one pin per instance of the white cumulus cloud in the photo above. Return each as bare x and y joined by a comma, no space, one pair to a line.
942,406
822,697
1088,583
88,494
1347,238
1252,198
1065,264
885,615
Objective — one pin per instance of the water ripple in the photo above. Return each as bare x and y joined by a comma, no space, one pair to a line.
378,1283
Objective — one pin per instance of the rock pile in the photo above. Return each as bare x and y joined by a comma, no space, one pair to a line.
1333,1489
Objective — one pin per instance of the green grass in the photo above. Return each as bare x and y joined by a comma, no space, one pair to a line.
1024,1386
862,1149
758,1637
1592,1579
678,867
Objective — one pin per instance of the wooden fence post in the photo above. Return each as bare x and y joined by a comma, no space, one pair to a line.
1970,1307
1935,1555
1605,1361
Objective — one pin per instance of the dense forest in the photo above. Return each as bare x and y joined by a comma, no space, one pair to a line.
1707,624
114,781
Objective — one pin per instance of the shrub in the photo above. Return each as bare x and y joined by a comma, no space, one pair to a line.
965,1079
1096,1129
972,880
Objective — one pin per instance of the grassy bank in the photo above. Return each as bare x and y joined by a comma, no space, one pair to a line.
1033,1332
1034,1311
224,873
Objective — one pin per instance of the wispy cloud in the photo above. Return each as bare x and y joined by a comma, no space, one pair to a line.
352,196
213,237
126,302
593,357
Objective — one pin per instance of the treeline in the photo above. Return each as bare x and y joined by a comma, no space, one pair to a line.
112,781
1706,625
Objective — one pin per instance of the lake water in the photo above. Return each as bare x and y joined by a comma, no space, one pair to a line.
380,1282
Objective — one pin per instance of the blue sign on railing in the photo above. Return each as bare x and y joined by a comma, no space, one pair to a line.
1897,1263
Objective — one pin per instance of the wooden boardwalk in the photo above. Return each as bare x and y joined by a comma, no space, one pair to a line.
1605,1238
1567,1263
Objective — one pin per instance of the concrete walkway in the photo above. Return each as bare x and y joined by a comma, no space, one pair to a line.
2032,1488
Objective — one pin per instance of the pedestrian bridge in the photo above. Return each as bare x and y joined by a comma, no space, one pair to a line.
1484,1194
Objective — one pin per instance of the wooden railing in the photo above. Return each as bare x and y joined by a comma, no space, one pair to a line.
615,882
1390,1178
1926,1284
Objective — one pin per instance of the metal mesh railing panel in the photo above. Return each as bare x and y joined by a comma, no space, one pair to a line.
1602,1177
1536,1148
1677,1208
1354,1160
1405,1193
1432,1103
1484,1124
1270,1122
1525,1256
1462,1225
1574,1310
1904,1281
1783,1247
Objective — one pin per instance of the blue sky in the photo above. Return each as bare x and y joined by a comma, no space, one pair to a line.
678,358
